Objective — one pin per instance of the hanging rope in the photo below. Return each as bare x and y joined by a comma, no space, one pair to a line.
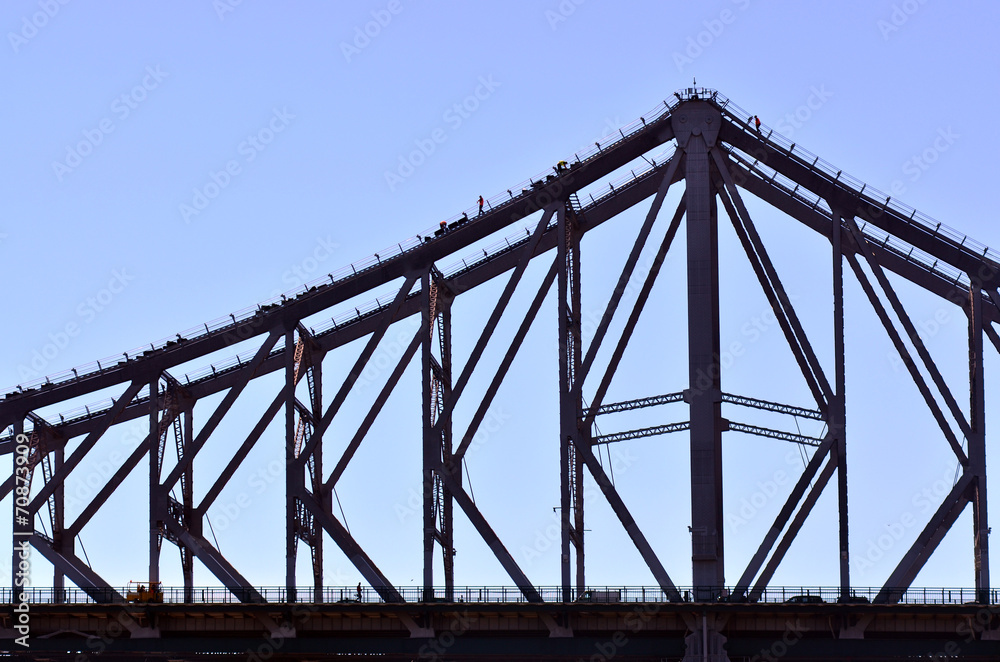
85,557
212,529
472,494
342,515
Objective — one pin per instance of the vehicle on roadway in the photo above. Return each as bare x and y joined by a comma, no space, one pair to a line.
607,595
805,599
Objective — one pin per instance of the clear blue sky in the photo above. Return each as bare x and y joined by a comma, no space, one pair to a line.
120,116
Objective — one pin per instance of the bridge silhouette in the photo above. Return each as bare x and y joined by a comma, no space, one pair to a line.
698,138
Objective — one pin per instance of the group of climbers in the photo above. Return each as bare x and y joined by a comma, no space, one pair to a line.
560,168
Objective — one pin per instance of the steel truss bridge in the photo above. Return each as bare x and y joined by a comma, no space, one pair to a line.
699,138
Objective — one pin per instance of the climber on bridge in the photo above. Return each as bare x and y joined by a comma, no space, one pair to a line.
481,204
756,122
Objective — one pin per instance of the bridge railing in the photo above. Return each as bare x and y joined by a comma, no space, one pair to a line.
346,316
511,594
873,233
876,200
373,261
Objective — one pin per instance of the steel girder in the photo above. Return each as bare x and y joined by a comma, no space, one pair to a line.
714,158
570,401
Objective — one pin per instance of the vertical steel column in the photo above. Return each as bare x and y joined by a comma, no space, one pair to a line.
156,505
293,471
581,581
431,446
977,445
570,400
838,408
696,127
439,506
23,523
191,521
576,364
316,366
447,506
59,543
437,432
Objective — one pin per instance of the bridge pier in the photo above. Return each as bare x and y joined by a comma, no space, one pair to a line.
706,643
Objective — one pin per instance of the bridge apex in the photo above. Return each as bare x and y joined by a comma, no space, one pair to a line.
696,118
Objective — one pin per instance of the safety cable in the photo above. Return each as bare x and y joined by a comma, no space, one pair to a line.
342,515
212,529
472,493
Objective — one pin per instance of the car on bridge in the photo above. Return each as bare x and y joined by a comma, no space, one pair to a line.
853,600
607,595
805,599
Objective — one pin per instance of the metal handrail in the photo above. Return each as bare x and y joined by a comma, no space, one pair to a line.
608,594
411,243
359,311
873,233
868,194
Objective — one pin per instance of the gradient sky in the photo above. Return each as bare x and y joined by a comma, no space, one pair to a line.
120,115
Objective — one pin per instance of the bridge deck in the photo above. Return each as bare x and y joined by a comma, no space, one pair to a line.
635,630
